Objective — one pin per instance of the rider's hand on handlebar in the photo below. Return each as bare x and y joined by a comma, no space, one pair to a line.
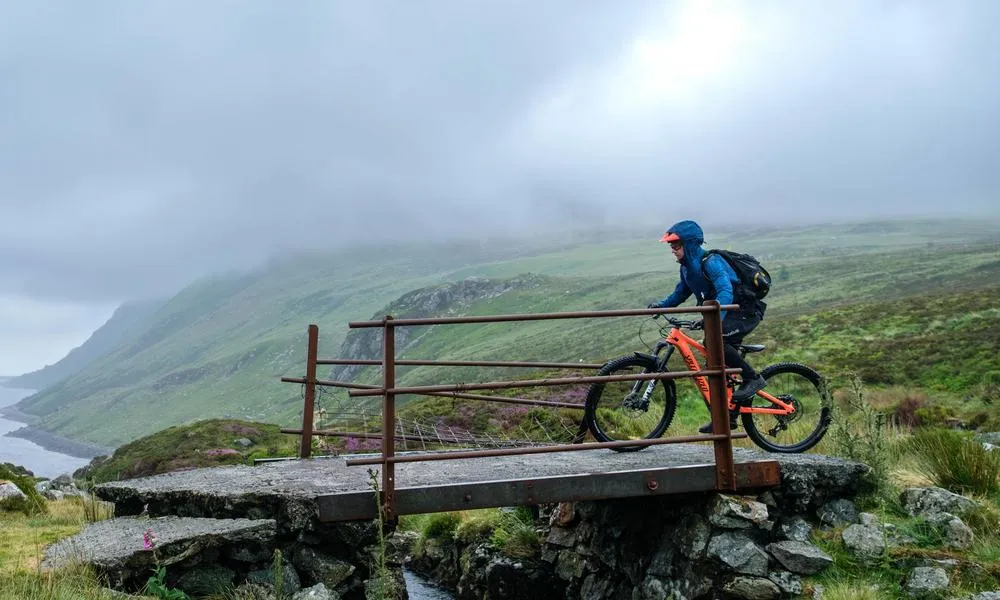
654,305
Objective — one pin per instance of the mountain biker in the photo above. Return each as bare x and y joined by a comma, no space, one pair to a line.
718,282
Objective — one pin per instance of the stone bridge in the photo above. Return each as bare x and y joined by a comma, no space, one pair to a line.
221,526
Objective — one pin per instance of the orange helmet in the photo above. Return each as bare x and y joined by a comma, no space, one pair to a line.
670,237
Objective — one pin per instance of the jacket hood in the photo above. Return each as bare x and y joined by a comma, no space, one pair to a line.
693,237
688,231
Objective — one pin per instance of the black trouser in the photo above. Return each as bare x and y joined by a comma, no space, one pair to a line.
735,327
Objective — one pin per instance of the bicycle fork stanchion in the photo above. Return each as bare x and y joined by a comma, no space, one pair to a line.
725,471
305,442
388,419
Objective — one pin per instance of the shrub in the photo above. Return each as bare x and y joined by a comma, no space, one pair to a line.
955,461
441,525
515,533
32,504
860,433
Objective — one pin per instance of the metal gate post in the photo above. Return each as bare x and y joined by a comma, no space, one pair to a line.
305,442
388,419
725,472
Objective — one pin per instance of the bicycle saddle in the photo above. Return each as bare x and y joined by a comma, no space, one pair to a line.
749,348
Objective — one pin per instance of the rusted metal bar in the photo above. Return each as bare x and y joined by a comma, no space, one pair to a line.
499,385
573,487
388,419
332,383
305,442
725,475
539,449
407,362
398,436
509,400
540,316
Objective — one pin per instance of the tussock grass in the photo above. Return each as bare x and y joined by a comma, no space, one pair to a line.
72,583
955,461
515,533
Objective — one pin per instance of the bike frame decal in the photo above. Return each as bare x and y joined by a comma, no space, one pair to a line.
686,345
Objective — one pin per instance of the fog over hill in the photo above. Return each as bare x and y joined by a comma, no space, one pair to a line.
198,138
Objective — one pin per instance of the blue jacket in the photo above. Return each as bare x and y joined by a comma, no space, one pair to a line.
721,281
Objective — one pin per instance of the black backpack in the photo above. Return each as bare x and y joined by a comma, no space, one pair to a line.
755,279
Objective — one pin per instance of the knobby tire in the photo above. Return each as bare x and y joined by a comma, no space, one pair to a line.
807,387
599,414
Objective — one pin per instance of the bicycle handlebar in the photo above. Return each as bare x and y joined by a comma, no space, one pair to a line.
692,325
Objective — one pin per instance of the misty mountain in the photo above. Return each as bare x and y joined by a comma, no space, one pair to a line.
218,348
126,319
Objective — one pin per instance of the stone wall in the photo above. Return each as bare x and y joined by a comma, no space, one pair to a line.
705,545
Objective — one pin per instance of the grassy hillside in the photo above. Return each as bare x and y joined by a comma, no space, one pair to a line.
218,348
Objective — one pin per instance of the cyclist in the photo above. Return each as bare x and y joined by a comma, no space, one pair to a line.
718,282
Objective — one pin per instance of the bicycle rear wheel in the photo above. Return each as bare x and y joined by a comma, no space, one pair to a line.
622,410
802,387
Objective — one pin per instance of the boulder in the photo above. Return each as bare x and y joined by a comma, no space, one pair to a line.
752,588
838,512
954,532
926,582
864,541
9,491
794,528
931,500
115,548
736,512
738,553
800,557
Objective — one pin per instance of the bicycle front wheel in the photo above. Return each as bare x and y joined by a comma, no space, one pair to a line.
630,410
804,389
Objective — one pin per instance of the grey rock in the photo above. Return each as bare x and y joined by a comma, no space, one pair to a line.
800,557
794,528
318,567
9,491
316,592
789,583
989,437
562,536
738,553
243,442
752,588
924,582
930,500
954,532
811,480
868,519
569,565
205,580
692,537
63,481
864,541
54,494
736,512
838,512
114,548
986,596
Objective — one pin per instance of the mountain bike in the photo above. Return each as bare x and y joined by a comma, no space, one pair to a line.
790,415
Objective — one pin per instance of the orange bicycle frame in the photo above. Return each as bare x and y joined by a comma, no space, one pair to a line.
687,345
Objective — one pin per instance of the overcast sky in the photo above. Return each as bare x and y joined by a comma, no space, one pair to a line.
143,144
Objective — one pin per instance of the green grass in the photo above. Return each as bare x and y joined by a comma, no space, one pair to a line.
955,461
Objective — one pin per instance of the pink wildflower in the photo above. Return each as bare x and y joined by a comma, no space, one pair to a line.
148,539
